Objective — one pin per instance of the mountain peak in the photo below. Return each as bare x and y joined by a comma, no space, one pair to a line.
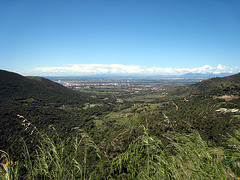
204,75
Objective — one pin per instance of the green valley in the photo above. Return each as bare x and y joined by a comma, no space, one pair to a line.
121,128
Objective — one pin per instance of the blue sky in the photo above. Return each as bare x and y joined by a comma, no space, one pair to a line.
58,37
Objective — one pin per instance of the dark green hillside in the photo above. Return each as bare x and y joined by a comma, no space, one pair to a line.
17,88
39,100
230,84
209,84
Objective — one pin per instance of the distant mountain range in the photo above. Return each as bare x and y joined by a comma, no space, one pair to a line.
204,76
104,76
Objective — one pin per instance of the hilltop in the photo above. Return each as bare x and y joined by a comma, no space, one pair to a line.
218,85
14,87
209,84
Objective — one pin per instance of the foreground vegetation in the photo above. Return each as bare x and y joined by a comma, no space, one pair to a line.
182,156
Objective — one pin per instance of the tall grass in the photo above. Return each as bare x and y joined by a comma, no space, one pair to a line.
232,150
186,156
181,156
54,158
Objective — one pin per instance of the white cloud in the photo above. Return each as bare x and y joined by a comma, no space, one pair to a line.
86,69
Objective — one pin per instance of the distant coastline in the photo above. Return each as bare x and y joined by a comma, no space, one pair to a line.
62,83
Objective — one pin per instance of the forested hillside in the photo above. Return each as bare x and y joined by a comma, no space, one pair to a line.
220,85
17,88
51,132
38,99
